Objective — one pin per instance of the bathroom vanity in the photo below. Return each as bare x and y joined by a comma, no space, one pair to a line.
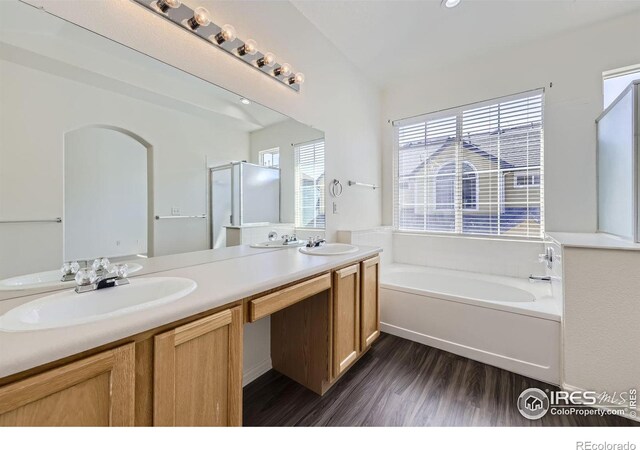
144,166
180,368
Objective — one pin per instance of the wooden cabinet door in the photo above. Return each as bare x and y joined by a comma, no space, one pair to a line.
369,301
346,317
95,391
198,372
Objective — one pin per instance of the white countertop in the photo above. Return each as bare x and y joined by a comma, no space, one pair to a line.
220,282
593,240
157,264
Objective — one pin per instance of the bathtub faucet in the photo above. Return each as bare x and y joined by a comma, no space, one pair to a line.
534,278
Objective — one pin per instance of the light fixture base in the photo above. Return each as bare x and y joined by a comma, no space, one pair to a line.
182,16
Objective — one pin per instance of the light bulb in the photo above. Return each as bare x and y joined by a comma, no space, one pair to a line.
297,78
227,34
164,5
284,70
451,3
250,47
269,59
200,18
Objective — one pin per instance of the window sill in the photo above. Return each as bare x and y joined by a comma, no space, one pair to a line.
475,237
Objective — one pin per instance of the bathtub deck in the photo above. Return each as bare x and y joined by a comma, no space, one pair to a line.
403,383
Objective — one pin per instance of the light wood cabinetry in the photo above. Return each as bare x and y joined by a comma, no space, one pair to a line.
300,341
276,301
198,372
95,391
369,301
189,373
346,317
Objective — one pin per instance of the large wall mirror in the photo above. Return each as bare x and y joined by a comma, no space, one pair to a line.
107,152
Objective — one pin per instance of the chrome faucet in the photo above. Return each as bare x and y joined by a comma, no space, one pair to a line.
547,257
287,239
534,278
315,241
70,268
88,279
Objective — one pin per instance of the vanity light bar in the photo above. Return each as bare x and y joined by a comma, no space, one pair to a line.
198,21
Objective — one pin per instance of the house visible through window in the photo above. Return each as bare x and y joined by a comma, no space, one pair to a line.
309,184
270,158
445,187
472,170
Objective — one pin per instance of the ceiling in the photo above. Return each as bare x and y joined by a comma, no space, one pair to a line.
391,37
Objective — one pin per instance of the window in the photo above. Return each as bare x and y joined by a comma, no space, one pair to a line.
445,187
309,184
524,179
472,170
270,158
616,81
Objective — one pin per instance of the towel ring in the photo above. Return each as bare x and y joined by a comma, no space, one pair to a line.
335,188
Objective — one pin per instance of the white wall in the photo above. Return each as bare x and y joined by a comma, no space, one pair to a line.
574,63
493,256
283,135
600,320
336,97
105,194
55,105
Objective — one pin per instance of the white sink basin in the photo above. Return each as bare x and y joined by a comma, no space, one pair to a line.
278,244
47,279
69,308
330,249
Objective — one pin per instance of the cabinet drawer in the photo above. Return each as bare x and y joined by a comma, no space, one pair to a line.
270,303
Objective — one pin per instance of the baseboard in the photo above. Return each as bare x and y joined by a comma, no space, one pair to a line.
531,370
255,372
570,388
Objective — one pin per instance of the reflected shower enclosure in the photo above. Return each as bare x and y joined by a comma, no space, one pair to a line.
242,194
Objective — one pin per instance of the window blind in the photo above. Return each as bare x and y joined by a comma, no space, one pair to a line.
309,184
476,169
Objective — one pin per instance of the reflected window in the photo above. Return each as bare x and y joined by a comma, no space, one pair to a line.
270,158
309,184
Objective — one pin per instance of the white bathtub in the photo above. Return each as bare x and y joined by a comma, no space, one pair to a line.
502,321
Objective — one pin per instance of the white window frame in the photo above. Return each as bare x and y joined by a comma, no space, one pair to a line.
617,73
457,111
530,173
270,151
297,213
477,189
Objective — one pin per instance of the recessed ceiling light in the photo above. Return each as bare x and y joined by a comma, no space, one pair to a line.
451,3
245,101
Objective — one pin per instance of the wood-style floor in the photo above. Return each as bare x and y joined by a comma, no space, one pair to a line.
402,383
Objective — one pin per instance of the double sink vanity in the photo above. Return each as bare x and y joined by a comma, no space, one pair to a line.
164,172
167,348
